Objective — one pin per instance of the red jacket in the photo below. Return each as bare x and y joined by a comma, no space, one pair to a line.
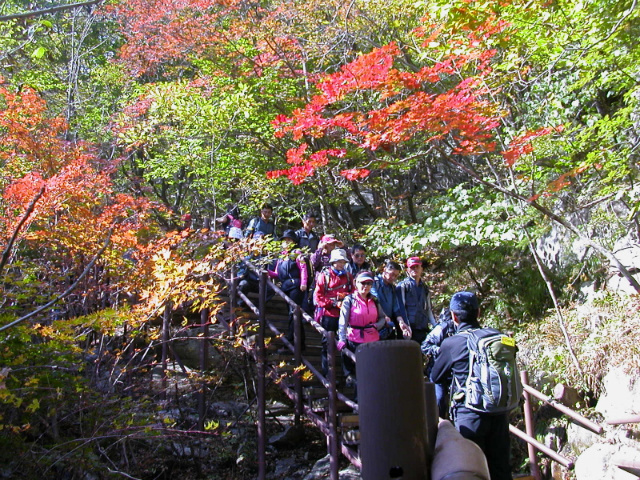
331,288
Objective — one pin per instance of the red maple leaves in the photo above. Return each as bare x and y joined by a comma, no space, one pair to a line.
407,104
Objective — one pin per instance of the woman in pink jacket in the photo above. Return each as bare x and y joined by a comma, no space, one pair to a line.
361,318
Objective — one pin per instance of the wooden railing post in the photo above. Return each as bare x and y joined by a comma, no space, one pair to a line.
204,357
262,464
166,324
233,302
332,411
529,428
297,336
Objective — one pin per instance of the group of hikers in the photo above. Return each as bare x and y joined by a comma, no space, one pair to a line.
339,289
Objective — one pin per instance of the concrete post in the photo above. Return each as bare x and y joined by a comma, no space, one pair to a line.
392,408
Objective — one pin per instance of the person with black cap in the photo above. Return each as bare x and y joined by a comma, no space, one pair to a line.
451,368
361,318
293,273
415,297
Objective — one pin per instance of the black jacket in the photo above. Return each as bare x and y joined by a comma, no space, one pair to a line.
453,358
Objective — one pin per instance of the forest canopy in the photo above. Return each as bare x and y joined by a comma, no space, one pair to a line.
464,132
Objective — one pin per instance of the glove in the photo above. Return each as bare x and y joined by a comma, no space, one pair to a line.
341,345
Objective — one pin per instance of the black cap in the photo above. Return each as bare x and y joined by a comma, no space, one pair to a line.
464,301
290,234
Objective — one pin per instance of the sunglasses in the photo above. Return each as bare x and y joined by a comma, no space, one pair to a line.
368,283
358,255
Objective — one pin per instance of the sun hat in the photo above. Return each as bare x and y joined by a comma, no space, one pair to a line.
337,255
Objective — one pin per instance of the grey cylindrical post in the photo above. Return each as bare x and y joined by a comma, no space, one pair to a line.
392,409
456,458
432,414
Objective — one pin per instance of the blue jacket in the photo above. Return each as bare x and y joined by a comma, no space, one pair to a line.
417,304
386,295
258,227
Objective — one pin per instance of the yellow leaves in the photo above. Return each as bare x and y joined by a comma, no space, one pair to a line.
33,406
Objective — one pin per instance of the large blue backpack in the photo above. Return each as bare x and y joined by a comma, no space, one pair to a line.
493,384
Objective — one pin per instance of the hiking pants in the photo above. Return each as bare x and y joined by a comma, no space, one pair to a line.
491,434
331,325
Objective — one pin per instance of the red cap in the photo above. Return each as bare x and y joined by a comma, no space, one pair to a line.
413,261
330,239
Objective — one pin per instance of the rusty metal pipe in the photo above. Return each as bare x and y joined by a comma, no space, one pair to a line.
585,422
623,419
556,457
262,432
530,429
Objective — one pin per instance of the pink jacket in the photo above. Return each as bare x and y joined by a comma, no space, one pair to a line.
360,319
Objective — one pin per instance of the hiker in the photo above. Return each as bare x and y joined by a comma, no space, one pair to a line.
320,258
431,348
262,225
249,280
358,261
306,236
384,289
489,430
361,319
333,284
293,273
415,298
231,219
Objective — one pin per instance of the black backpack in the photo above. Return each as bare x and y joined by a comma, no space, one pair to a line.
493,384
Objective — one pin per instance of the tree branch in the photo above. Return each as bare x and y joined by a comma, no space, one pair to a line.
35,13
67,291
27,214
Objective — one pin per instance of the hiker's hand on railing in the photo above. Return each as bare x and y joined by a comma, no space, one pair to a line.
341,345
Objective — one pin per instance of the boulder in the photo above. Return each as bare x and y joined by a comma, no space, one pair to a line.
621,393
599,461
321,471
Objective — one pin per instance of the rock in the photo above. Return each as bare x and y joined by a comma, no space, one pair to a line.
188,346
554,437
284,467
568,396
621,394
227,409
598,462
289,438
321,471
579,438
620,285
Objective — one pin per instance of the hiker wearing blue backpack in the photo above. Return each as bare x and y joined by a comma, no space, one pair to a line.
479,366
262,225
